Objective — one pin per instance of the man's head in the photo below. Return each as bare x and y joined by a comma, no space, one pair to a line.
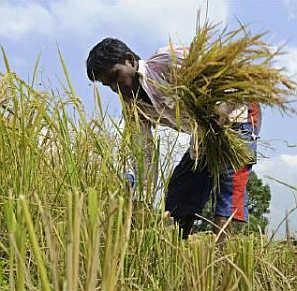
113,64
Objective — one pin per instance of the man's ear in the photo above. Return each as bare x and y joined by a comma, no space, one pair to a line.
131,59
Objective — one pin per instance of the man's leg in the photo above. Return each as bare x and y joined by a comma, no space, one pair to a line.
185,225
232,199
188,191
220,222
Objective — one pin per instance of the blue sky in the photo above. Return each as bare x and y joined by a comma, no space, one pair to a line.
32,27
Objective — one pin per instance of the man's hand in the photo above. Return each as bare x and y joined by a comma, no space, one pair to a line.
223,112
167,214
131,180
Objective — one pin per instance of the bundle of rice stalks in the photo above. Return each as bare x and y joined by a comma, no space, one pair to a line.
230,69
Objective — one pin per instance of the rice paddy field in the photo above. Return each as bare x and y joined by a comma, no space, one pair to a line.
70,221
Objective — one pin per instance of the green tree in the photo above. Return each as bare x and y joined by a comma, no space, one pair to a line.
259,198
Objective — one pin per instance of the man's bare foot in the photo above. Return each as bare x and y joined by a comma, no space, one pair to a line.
222,227
166,214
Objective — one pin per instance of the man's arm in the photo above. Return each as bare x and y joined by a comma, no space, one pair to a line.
148,144
141,140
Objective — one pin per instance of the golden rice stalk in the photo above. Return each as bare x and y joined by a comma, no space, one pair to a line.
232,68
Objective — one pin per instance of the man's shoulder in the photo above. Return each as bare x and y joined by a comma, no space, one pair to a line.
164,57
178,51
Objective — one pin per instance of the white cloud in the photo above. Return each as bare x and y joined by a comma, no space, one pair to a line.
141,18
292,8
17,20
289,61
283,168
291,162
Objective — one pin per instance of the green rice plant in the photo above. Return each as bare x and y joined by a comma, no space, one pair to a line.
70,221
35,247
201,264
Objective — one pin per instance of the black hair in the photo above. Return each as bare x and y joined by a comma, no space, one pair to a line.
105,55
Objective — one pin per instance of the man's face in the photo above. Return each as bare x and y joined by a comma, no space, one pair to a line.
122,76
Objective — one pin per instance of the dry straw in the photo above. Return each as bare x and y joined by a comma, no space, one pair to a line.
229,69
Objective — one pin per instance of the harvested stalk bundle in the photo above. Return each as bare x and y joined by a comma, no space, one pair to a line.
232,69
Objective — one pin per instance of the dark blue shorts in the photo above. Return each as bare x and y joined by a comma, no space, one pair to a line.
189,190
